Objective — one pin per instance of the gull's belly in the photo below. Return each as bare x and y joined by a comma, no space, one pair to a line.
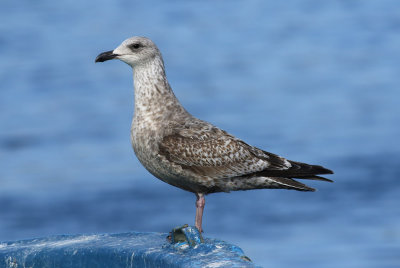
145,145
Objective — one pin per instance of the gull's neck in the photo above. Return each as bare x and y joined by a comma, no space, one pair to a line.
153,94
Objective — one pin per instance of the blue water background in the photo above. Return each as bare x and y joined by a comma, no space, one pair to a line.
314,81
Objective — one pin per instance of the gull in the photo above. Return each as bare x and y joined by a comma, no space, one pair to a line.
190,153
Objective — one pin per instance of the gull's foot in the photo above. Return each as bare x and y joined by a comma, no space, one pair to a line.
186,235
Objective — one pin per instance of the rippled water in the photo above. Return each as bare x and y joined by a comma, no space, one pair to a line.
314,81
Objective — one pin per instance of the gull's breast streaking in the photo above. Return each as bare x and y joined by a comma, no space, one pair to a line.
189,153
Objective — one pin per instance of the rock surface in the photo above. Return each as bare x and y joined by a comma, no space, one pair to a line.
120,250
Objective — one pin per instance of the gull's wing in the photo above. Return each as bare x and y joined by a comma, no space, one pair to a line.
215,155
209,151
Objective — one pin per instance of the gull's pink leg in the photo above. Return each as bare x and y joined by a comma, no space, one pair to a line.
200,203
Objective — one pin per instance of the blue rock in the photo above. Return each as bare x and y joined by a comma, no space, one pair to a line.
184,247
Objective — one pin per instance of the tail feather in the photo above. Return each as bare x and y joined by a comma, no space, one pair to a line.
315,177
289,183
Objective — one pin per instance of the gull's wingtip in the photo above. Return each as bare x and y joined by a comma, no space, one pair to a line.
330,171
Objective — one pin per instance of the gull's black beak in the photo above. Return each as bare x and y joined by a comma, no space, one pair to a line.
108,55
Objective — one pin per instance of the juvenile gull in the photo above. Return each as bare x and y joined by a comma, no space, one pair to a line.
189,153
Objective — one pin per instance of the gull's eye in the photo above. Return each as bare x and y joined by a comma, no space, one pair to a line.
135,46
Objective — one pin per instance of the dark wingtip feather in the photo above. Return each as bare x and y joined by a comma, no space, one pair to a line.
298,170
319,169
310,169
328,171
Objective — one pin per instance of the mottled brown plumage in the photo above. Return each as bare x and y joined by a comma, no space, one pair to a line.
190,153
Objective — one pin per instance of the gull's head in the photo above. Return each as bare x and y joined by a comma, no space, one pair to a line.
133,51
